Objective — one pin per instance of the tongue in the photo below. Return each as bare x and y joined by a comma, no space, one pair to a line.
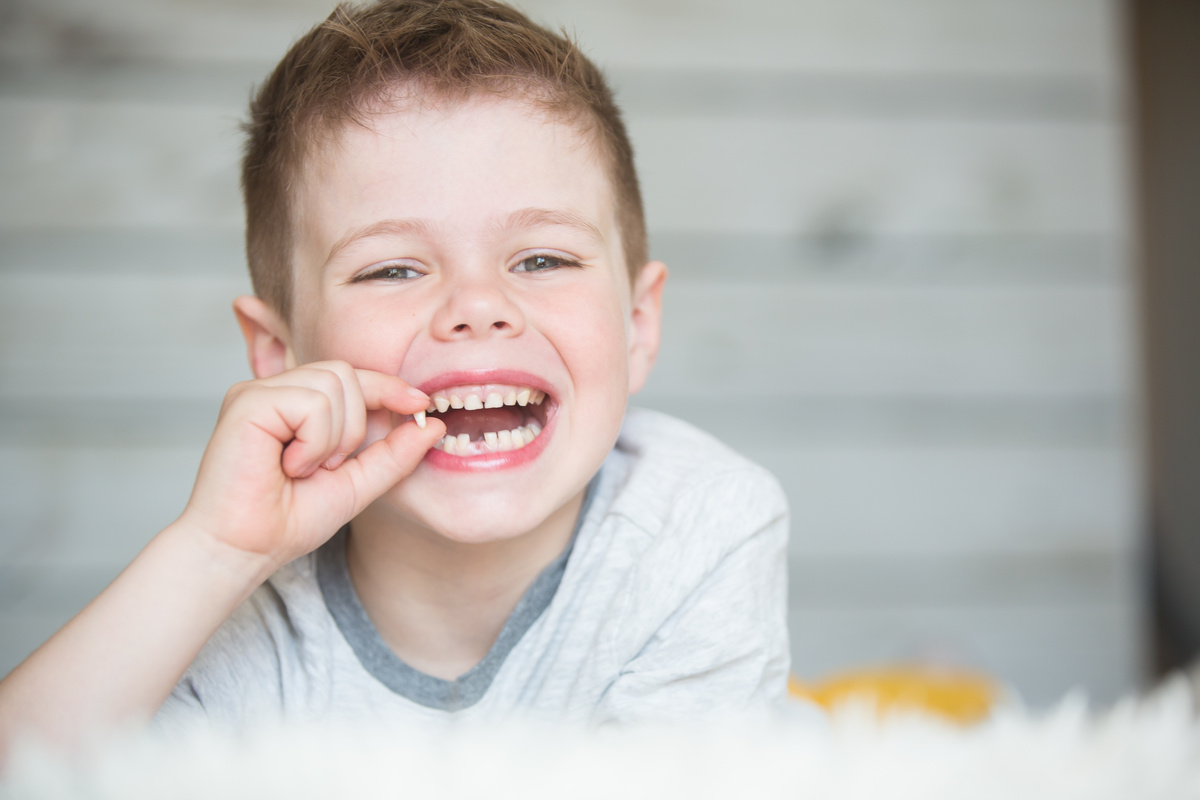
476,423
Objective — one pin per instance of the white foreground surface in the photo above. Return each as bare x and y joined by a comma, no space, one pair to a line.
1145,750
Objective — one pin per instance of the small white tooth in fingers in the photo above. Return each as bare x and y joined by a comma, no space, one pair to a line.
456,401
523,397
441,402
494,400
419,418
506,442
490,440
472,403
450,444
464,441
510,399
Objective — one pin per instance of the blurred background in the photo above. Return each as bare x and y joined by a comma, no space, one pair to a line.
904,278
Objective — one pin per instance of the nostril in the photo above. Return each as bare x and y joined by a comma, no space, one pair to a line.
461,327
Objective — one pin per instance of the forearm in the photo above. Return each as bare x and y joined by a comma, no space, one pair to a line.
118,659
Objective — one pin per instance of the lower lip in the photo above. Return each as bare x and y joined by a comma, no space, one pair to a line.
486,462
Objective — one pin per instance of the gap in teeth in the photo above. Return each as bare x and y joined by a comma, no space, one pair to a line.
490,442
469,398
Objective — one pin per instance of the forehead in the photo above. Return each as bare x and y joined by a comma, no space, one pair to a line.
457,165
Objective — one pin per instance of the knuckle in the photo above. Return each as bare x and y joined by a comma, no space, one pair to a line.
236,394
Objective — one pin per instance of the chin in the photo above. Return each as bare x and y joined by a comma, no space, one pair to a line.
471,517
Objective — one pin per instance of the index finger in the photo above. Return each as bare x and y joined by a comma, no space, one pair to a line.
382,391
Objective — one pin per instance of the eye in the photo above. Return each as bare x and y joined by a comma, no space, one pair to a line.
543,262
389,272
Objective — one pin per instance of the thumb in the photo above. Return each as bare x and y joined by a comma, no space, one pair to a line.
390,460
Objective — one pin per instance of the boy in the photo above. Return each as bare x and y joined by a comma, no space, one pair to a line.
433,471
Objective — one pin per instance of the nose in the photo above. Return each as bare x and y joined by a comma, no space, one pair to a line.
478,307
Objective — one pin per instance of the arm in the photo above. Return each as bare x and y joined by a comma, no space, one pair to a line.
275,483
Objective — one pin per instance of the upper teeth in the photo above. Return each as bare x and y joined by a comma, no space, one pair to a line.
476,397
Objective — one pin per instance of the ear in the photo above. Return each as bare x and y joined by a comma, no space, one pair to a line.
268,339
645,323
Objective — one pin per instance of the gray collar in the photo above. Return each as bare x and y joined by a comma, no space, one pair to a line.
333,576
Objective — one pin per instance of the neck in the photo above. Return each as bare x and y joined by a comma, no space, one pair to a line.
439,604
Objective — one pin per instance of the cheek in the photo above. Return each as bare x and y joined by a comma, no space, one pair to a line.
362,339
593,338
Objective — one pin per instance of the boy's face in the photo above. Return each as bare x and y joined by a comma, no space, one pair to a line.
473,250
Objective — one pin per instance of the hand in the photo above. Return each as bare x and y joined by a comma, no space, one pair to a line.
278,478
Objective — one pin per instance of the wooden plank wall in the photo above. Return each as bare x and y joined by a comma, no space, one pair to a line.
898,235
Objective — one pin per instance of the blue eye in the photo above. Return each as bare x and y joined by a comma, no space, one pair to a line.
543,263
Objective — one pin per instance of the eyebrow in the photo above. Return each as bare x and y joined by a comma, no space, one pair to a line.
542,217
524,218
385,227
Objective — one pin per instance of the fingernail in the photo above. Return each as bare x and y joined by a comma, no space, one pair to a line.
335,461
417,393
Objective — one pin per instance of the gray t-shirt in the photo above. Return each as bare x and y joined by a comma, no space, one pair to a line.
669,602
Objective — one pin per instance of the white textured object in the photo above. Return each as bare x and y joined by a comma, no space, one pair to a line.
1139,749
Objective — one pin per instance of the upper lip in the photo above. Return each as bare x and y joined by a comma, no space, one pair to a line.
477,377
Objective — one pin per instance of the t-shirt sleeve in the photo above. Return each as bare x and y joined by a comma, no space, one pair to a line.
236,676
705,619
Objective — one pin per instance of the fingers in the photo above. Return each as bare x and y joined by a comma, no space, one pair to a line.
388,461
387,391
323,408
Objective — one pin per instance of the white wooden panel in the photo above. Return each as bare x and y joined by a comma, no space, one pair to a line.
915,578
918,35
1042,651
778,94
119,336
747,342
783,421
1007,36
78,507
149,252
878,501
118,164
176,29
835,256
151,164
898,177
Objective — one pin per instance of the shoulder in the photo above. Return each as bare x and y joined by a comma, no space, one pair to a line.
674,505
669,471
691,587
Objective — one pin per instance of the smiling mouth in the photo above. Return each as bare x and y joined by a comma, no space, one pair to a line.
488,418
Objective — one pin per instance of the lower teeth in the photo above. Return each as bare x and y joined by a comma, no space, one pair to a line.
498,441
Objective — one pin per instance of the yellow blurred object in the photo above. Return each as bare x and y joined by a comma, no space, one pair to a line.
961,697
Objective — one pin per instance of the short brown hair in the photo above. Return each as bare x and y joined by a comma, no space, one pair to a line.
448,49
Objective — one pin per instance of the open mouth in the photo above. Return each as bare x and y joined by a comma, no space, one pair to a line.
488,418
